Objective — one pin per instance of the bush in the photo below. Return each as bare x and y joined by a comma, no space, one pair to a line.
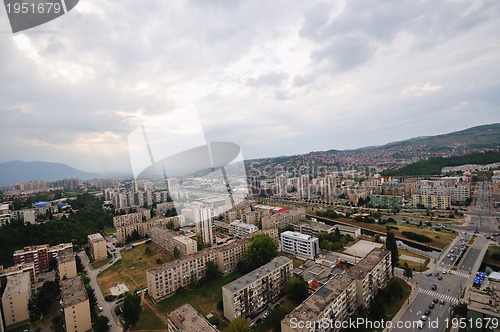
110,298
417,237
391,227
214,320
437,229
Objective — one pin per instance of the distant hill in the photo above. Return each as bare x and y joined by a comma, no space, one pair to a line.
433,166
13,172
479,137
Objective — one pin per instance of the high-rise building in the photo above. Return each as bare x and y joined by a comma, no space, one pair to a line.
303,187
39,255
97,247
15,300
251,293
299,244
66,264
281,185
75,304
203,221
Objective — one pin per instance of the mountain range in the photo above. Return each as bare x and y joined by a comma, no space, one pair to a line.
460,142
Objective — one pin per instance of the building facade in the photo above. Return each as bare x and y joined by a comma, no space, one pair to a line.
66,264
240,229
335,301
299,244
75,305
251,293
371,273
97,247
169,240
15,300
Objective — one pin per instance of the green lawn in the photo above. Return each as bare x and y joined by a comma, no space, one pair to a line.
204,300
492,256
131,268
109,230
413,265
99,264
393,308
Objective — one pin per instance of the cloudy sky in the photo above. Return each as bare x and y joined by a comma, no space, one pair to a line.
276,77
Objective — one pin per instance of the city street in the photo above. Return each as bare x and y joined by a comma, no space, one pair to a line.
108,307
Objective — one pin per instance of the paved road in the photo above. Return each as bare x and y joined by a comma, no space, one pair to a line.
451,287
108,307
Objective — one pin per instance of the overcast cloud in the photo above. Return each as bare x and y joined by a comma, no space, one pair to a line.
275,77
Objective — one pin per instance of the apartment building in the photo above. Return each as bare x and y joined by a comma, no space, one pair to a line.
431,201
168,240
39,255
15,300
187,319
386,201
75,305
371,273
203,221
55,250
299,244
313,228
251,293
165,279
458,190
97,247
281,219
230,254
240,229
66,264
19,269
125,227
335,301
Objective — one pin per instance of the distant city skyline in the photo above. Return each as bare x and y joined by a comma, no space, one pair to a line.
279,78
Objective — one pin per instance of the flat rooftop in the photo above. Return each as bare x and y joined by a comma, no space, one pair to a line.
65,256
257,274
366,265
97,237
17,284
296,235
31,248
188,319
316,304
72,291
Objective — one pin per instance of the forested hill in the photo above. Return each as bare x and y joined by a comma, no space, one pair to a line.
433,166
89,218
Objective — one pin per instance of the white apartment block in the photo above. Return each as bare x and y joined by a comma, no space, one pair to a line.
240,229
203,221
335,301
169,240
251,293
165,279
15,300
299,244
371,273
97,247
187,319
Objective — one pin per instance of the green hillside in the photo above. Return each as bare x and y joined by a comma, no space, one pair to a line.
433,166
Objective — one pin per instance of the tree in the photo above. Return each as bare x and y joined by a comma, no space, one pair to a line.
239,324
148,251
101,324
211,271
391,245
337,232
170,224
176,253
131,308
408,272
460,309
296,289
261,250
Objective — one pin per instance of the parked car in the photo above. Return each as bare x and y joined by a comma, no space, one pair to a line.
440,278
435,300
431,306
428,274
423,319
427,312
441,302
434,287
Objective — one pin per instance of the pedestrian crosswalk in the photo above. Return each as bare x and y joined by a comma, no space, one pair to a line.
447,298
461,274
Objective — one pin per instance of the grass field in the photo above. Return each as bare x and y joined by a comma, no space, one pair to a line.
109,230
131,269
393,308
492,253
413,265
204,300
440,239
